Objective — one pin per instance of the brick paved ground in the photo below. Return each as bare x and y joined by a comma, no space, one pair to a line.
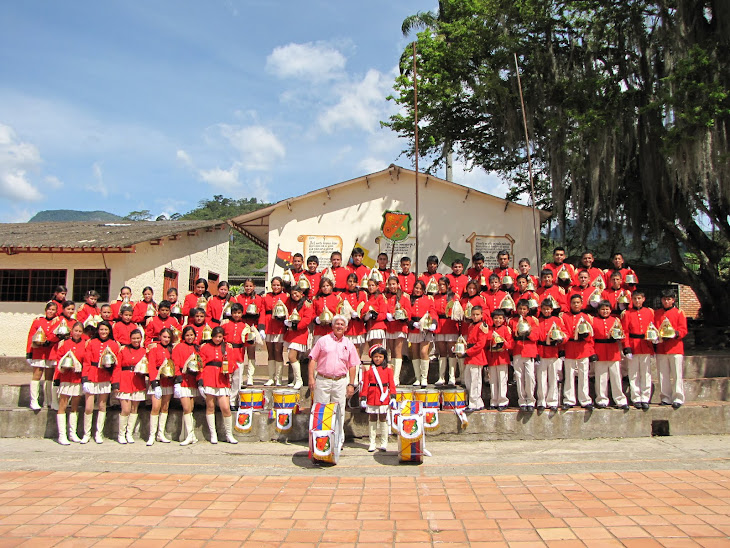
643,509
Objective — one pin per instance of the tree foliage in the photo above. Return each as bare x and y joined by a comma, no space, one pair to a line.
628,108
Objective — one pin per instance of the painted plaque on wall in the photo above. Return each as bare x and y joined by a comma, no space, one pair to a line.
322,247
490,245
396,250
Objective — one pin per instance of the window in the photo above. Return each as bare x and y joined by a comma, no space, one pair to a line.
86,280
30,286
213,282
170,281
194,275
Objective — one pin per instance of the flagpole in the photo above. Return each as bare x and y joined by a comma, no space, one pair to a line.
529,166
415,130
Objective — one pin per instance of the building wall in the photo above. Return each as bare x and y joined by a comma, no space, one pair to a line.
145,267
447,216
688,302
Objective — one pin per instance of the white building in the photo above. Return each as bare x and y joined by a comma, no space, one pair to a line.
451,218
36,257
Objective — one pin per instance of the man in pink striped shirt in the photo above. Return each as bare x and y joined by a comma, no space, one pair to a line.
332,368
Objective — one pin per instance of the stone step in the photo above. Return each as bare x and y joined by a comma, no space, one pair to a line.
693,418
695,390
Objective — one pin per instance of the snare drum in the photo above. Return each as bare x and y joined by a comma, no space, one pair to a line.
430,401
252,398
403,393
454,398
324,433
411,434
286,404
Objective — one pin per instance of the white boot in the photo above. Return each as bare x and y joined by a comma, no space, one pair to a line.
48,394
383,426
279,368
416,371
189,428
236,386
100,420
130,427
442,372
122,435
154,421
424,372
61,423
211,427
35,390
452,371
54,396
73,424
373,434
296,367
88,419
250,370
397,363
161,429
228,425
272,371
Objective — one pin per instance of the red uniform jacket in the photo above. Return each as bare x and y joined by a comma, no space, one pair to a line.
124,378
476,341
377,314
545,347
59,306
502,272
139,314
476,300
585,294
557,293
79,350
190,302
215,308
426,278
481,277
156,355
397,326
385,273
458,283
157,324
180,355
612,295
234,336
493,299
212,374
359,271
577,349
527,295
267,322
635,324
679,323
199,331
332,301
527,348
500,356
93,371
406,282
624,272
447,326
419,306
41,352
123,331
313,280
355,326
245,301
555,268
607,349
370,389
301,333
116,306
85,311
341,273
593,274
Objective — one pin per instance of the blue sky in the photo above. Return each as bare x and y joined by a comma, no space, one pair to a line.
123,106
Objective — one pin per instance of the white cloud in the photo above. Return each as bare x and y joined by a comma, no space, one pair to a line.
221,178
361,105
229,180
314,61
17,216
372,165
99,185
53,181
184,158
16,159
476,178
259,148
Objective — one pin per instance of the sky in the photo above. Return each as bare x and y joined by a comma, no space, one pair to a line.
127,106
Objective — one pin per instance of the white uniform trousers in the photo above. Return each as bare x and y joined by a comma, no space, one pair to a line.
473,381
575,368
525,380
546,378
498,385
331,391
671,377
640,378
609,372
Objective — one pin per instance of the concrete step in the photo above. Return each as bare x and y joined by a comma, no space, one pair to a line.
693,418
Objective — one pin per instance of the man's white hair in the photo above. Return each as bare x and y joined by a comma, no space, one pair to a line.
340,317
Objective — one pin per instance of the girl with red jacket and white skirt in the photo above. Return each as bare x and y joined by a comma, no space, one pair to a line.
297,331
96,378
70,384
214,383
378,388
162,382
186,382
396,329
421,336
252,305
374,313
446,333
38,356
131,386
272,329
355,296
236,331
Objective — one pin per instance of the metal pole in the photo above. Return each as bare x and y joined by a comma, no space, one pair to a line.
415,131
529,167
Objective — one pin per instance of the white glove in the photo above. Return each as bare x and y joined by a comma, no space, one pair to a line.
389,317
433,327
262,333
287,323
202,391
416,325
30,362
363,404
354,314
158,392
176,391
88,387
317,320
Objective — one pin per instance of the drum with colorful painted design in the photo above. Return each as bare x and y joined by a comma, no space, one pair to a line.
286,405
252,398
430,400
454,398
411,433
324,433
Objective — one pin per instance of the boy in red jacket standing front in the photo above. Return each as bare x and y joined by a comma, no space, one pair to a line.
475,359
499,343
638,349
608,366
578,353
672,325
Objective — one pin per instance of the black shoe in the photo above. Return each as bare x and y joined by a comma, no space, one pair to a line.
567,406
554,409
541,408
625,407
676,405
492,407
645,406
598,406
664,403
638,405
588,407
523,408
501,408
529,408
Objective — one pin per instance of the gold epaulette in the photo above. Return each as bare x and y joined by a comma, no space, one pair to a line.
484,327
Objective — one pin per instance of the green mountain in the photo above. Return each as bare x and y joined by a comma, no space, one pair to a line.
66,215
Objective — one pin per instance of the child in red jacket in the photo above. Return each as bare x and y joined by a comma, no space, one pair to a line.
498,345
638,349
608,366
670,350
474,358
525,333
378,388
578,353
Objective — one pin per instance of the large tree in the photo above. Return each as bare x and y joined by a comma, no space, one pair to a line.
628,107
